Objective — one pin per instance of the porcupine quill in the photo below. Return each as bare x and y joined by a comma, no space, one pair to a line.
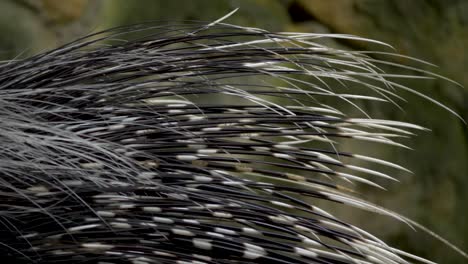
197,144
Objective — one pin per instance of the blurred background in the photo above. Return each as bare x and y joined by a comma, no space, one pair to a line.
436,195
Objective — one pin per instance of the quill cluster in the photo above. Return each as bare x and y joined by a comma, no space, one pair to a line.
195,144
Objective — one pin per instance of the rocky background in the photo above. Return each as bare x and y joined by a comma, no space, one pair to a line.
433,30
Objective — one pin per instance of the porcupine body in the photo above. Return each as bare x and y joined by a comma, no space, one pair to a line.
196,144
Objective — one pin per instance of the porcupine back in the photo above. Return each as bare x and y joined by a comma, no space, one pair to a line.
195,144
